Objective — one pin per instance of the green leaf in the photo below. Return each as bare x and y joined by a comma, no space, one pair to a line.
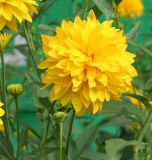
114,146
124,108
105,7
135,31
83,142
93,156
5,148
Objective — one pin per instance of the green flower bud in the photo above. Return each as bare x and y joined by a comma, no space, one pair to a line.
15,89
60,116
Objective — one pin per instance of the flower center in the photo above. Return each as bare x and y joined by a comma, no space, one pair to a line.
90,53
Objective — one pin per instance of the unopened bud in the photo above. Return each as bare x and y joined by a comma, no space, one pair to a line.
15,89
60,116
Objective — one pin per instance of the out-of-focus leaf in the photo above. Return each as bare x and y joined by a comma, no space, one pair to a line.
134,32
23,137
124,108
83,142
114,146
105,7
6,149
93,156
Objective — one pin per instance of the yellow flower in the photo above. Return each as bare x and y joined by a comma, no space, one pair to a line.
88,63
12,10
136,102
2,112
131,8
4,39
1,104
1,125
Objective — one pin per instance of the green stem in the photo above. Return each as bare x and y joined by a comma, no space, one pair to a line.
18,127
116,16
144,130
61,127
45,138
32,49
69,134
6,117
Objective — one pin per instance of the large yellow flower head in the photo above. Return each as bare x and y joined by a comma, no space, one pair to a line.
88,63
13,10
131,8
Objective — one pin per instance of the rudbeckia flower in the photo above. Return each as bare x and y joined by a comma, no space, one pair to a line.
2,112
87,63
13,10
131,8
4,39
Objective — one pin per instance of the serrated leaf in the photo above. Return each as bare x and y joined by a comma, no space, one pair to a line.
105,7
114,146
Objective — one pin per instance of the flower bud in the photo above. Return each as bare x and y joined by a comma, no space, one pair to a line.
4,39
60,116
15,89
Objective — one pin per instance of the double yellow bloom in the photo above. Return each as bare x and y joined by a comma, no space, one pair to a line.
88,63
131,8
13,10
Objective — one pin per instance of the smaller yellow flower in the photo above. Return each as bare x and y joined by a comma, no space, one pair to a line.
2,112
4,39
1,125
136,102
131,8
1,104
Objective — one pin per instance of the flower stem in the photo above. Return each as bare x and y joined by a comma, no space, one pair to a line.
18,127
61,127
6,116
42,145
32,49
70,131
144,130
116,14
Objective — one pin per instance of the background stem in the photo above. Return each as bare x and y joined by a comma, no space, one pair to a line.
6,116
32,49
18,127
61,127
70,131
